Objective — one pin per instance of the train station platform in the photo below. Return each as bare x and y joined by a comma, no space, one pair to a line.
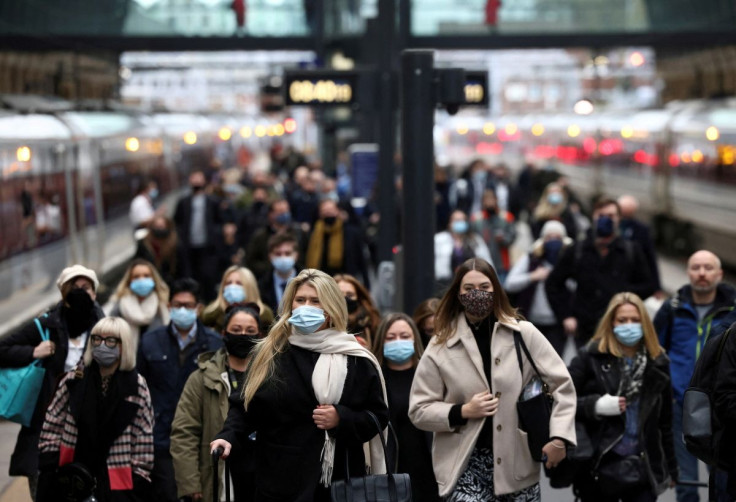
673,275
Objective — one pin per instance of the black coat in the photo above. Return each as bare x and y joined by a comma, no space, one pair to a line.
415,446
724,396
594,374
16,351
212,218
288,444
598,278
636,231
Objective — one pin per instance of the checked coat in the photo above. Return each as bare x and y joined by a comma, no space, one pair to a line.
129,458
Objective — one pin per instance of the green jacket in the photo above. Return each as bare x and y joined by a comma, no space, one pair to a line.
200,415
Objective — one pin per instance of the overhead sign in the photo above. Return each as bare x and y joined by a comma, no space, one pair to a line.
321,88
476,88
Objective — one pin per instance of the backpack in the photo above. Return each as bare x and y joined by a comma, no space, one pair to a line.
701,429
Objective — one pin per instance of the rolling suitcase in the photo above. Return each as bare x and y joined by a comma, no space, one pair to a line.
216,478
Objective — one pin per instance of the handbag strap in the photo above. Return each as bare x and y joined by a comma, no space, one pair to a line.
519,342
44,336
393,494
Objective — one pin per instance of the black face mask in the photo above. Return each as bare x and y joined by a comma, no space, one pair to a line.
352,305
330,220
239,345
79,312
197,188
161,233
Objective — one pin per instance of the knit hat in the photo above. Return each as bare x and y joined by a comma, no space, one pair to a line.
553,227
74,271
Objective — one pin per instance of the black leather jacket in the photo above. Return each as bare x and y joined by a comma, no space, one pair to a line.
594,374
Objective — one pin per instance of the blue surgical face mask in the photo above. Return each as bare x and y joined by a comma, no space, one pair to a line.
283,263
142,286
459,226
604,226
398,351
628,334
307,319
153,193
183,318
233,293
283,218
554,198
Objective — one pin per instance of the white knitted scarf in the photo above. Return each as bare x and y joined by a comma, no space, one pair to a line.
142,313
328,381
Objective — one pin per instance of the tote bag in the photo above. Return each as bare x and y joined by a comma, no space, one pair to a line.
20,387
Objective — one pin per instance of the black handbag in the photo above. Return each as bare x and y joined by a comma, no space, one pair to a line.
74,483
372,488
534,406
616,474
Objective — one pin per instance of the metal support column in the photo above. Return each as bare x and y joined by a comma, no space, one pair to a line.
417,145
387,233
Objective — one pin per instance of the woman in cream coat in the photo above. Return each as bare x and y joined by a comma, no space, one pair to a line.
466,388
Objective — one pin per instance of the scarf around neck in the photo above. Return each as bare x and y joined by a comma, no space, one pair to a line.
328,382
142,313
334,247
632,375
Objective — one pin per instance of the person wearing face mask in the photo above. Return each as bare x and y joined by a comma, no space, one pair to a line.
336,246
280,221
166,358
199,222
553,205
101,417
238,285
602,265
363,316
142,211
68,324
624,394
284,257
497,229
307,393
203,407
527,278
398,348
161,247
466,388
141,298
455,245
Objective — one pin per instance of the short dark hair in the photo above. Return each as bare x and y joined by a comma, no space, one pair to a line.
606,201
185,285
280,238
273,203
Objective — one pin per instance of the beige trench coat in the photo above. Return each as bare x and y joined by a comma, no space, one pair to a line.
451,373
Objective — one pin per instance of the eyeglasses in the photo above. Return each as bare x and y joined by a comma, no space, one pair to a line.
177,305
110,341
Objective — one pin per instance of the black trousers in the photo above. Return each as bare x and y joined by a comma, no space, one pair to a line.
163,482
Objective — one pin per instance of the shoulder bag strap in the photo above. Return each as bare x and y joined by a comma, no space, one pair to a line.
519,341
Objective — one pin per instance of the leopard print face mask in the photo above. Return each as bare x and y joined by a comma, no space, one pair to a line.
477,303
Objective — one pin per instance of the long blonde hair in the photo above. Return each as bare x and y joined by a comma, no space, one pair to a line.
605,337
250,286
545,210
161,288
332,301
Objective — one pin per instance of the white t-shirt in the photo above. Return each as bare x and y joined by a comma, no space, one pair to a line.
141,210
75,351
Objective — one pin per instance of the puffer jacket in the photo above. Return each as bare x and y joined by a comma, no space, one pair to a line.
595,374
200,415
683,336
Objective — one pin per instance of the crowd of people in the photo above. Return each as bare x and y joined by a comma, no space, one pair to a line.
246,322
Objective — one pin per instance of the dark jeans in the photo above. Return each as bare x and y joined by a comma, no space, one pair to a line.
556,336
163,483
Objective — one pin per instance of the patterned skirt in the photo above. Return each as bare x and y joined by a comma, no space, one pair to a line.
476,483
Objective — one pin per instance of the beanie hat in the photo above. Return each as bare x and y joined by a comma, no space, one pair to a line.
74,271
